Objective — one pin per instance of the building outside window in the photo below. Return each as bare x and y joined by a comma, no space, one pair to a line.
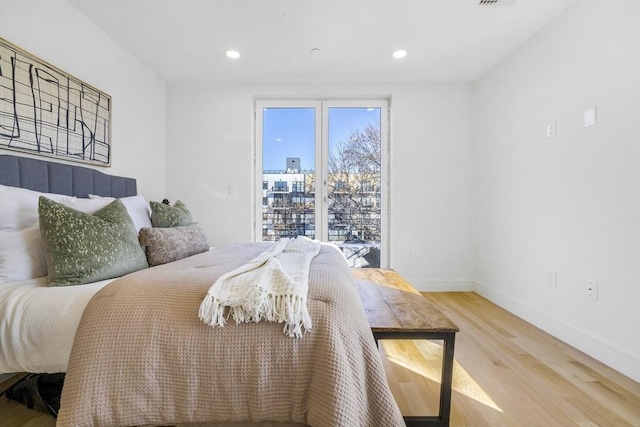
354,217
297,187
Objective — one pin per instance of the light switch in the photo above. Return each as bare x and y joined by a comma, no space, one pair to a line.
590,116
552,130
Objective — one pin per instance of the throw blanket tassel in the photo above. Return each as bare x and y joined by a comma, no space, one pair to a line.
272,287
212,312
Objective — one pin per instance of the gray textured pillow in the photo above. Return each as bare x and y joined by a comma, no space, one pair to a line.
83,248
170,216
165,245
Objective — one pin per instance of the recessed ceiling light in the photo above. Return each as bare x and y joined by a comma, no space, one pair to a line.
399,54
233,54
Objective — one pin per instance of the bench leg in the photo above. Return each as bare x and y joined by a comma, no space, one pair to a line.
447,378
444,416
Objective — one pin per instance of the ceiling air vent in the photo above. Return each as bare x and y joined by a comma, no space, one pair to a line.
495,2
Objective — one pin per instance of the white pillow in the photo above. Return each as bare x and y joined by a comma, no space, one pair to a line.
137,208
21,254
21,249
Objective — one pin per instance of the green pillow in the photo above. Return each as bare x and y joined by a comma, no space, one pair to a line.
83,248
165,216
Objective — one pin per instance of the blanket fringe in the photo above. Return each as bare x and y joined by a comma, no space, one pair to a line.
259,305
212,311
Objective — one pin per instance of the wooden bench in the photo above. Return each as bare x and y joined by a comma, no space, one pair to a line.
396,310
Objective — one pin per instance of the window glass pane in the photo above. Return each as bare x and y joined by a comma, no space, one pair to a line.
288,169
354,177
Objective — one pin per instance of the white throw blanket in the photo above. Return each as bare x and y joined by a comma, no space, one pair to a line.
273,286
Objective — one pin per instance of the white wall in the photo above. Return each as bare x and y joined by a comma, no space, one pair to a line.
57,33
210,146
569,204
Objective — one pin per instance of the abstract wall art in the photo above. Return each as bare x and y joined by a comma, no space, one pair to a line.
45,111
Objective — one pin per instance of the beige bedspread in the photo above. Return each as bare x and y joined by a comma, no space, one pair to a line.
141,356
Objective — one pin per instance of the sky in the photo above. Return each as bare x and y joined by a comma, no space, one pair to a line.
289,132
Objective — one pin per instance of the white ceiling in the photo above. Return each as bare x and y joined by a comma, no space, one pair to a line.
447,40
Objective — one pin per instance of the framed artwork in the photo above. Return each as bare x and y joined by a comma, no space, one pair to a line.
48,112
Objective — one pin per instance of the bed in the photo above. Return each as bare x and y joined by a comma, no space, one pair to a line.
135,351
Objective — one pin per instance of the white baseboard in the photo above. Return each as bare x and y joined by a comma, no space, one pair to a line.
607,353
442,286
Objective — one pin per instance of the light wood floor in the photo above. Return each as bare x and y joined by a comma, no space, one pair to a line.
507,373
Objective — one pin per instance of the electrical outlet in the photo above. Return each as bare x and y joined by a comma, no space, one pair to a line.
552,279
591,289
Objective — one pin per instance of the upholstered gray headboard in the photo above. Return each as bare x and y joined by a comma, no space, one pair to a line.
51,177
